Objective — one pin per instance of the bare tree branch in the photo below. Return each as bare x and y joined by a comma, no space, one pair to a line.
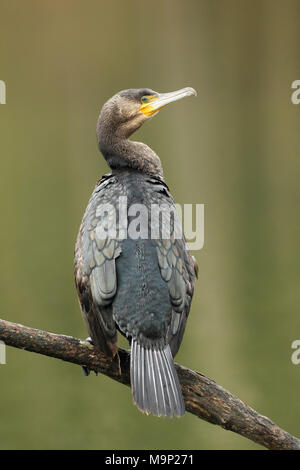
203,397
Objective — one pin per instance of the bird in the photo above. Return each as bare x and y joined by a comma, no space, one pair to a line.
127,280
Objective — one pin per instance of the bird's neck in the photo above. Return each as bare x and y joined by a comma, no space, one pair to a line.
121,153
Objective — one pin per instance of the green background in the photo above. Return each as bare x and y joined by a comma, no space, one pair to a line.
234,148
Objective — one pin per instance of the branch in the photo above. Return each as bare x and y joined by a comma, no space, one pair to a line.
203,397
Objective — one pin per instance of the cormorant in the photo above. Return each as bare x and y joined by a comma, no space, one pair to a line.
136,282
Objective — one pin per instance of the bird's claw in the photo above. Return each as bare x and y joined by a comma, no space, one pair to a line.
86,371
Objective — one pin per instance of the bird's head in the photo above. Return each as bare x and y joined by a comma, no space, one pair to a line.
122,115
126,111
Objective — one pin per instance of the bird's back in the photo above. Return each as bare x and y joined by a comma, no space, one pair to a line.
142,306
139,279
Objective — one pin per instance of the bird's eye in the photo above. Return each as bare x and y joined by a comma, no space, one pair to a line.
144,99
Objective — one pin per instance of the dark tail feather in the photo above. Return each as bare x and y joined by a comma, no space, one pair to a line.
154,381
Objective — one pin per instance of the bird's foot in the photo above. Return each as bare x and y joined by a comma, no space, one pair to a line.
86,371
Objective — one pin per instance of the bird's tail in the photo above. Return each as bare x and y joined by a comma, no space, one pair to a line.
154,382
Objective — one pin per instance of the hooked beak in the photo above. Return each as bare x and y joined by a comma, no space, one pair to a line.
155,103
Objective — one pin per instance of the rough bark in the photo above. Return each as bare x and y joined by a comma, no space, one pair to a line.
203,397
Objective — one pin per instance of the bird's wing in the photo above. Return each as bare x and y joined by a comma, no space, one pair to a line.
97,247
177,266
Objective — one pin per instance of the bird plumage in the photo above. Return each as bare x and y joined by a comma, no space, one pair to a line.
141,286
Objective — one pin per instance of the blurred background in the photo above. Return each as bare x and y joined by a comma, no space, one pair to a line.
235,148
